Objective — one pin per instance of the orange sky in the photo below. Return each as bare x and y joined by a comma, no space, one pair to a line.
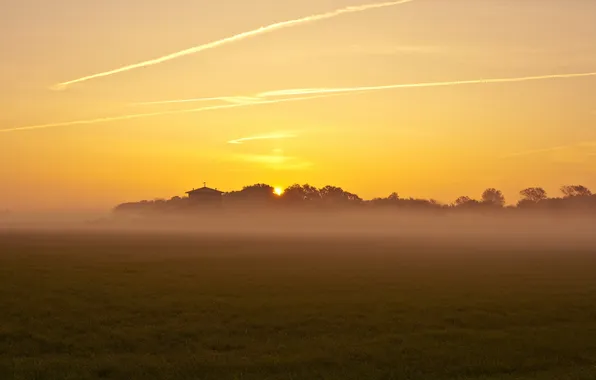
438,142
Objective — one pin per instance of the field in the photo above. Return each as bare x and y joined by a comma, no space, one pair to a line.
115,306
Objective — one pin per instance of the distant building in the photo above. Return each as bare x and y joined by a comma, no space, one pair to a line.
205,195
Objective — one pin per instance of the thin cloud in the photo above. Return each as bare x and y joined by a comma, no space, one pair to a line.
242,99
335,90
538,151
273,136
237,37
345,90
584,145
229,99
308,94
154,114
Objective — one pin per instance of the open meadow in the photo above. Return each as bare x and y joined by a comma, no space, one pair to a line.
175,306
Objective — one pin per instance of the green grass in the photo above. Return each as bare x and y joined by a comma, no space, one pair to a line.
141,307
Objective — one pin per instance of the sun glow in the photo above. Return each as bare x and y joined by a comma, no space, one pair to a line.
278,191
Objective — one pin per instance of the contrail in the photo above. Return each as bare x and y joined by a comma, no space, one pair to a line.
229,99
263,137
339,90
336,90
195,100
242,99
237,37
175,112
552,149
313,92
537,151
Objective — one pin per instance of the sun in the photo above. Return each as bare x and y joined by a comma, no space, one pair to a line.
278,191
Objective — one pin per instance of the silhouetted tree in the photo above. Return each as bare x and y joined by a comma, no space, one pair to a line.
302,193
577,199
393,197
311,193
466,203
337,195
533,194
463,200
257,194
294,193
419,204
493,197
261,189
576,191
392,200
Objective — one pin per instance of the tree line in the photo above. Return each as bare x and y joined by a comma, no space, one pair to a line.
576,198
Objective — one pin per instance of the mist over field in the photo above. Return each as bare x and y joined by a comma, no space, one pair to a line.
299,292
493,229
343,297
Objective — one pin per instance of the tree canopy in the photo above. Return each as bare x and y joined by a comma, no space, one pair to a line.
574,197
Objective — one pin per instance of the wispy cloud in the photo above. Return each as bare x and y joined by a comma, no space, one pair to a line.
335,90
165,113
303,94
234,38
242,99
572,153
538,151
229,99
273,136
344,90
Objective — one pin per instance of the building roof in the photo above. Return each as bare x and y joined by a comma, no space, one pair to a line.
204,190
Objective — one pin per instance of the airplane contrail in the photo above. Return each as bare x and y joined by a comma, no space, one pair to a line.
263,137
338,90
312,93
175,112
591,143
195,100
537,151
237,37
229,99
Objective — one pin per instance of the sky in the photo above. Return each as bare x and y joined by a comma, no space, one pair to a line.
259,125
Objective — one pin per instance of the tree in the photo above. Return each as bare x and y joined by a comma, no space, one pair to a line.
333,194
293,193
434,202
462,201
259,194
533,194
576,191
493,197
301,193
393,197
311,193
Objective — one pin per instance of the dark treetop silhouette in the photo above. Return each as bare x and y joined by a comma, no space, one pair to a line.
574,198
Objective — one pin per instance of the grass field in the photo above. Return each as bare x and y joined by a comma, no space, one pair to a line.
156,307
